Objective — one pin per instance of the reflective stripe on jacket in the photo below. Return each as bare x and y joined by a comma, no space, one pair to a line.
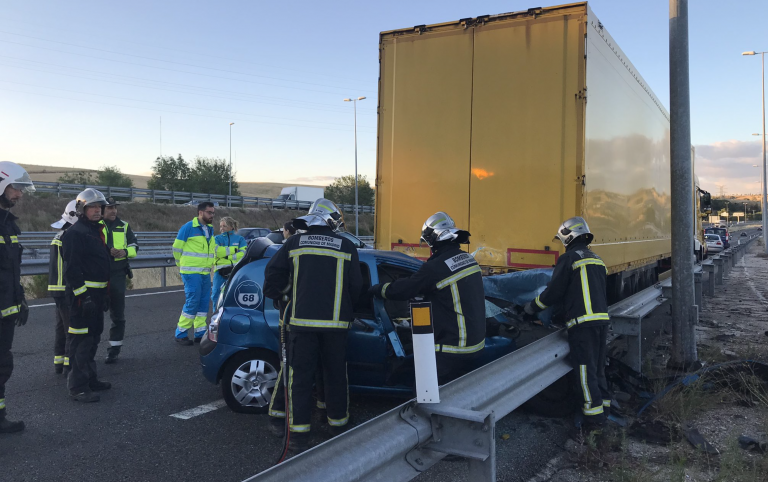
11,291
579,284
119,235
194,253
453,282
230,248
322,270
56,285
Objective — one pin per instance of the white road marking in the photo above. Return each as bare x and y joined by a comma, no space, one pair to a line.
202,409
127,296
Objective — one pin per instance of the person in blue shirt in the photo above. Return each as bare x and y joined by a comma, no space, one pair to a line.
230,248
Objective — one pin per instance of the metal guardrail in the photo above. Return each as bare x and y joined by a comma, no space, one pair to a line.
401,444
180,197
30,267
404,442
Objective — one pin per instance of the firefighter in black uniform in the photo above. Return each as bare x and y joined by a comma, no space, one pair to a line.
58,290
578,285
14,182
321,270
122,246
86,272
452,281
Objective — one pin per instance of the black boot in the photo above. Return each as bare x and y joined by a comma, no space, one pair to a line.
85,397
99,386
111,358
184,341
6,426
298,443
59,369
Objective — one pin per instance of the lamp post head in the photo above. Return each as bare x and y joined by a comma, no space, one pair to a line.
347,100
751,52
360,98
231,123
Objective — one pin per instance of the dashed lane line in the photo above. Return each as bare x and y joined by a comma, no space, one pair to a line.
202,409
127,296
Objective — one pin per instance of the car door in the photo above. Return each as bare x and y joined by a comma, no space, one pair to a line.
367,345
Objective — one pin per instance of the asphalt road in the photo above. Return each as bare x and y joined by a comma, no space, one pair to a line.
130,434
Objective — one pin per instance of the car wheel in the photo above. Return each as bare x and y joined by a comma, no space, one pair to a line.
249,379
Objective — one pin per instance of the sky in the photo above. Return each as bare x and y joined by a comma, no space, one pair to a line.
94,83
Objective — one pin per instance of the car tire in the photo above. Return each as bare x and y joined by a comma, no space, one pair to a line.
557,400
249,377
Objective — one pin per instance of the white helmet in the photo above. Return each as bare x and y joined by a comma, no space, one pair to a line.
323,212
440,227
12,174
90,197
574,228
69,216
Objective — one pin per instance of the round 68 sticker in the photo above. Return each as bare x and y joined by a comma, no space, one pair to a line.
248,295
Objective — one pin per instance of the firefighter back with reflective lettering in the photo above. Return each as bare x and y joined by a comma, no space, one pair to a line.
122,246
578,284
86,272
452,281
14,182
194,250
323,272
58,291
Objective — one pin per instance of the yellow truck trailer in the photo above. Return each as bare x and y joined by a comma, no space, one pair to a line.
512,123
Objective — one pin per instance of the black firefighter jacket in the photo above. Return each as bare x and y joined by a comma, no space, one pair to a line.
11,292
579,284
86,258
324,271
453,282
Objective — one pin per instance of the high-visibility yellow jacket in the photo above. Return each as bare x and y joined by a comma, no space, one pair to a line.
193,250
119,235
230,248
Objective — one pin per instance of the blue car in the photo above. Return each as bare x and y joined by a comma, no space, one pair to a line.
240,349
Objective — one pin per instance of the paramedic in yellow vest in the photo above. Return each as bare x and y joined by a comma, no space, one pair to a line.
122,246
194,250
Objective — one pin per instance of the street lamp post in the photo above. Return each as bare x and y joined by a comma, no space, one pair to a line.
745,212
230,163
727,214
763,171
357,219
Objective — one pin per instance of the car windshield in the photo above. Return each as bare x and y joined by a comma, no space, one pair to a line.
713,237
283,196
351,237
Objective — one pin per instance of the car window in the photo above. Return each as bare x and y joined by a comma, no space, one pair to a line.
363,306
395,309
351,237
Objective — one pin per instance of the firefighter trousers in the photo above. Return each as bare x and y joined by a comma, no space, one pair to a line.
116,311
85,333
588,356
304,350
7,328
61,340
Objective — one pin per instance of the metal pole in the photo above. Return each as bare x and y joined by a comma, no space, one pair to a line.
684,311
230,163
357,219
763,171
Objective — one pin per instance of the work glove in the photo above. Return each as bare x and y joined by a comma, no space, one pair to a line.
529,308
87,306
23,314
375,291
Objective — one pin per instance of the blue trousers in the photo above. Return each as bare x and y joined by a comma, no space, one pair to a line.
218,282
197,289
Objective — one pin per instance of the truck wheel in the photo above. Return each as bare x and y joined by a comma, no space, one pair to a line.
249,379
557,400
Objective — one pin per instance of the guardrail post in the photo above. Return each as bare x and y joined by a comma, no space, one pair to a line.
131,194
710,270
109,191
718,261
697,295
163,278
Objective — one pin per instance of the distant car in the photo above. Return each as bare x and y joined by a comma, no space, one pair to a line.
743,234
714,243
723,233
195,203
759,228
253,233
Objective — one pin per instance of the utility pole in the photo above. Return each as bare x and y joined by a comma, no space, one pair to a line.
357,219
684,311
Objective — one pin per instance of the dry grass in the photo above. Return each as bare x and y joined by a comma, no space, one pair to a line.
36,213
